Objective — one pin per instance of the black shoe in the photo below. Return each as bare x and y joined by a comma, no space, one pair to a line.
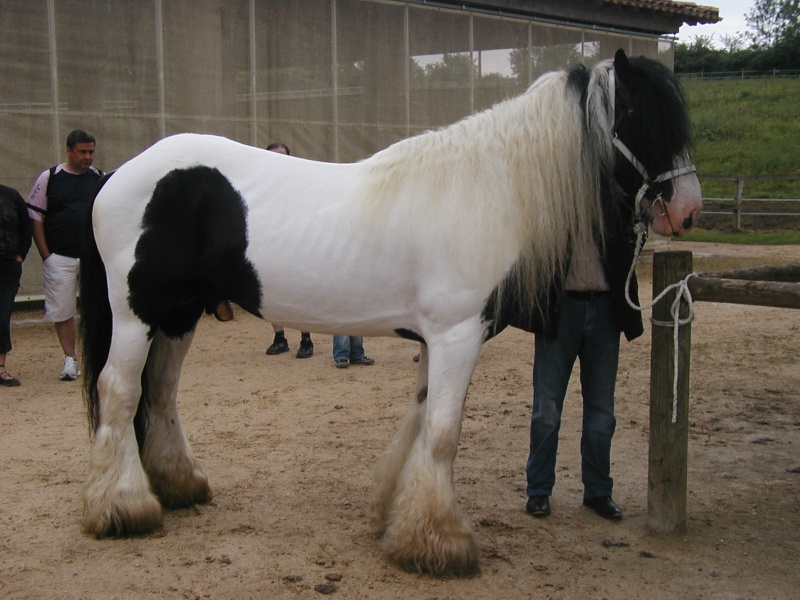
538,506
341,363
279,346
604,506
362,361
306,349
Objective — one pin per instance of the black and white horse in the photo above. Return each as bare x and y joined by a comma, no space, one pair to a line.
425,240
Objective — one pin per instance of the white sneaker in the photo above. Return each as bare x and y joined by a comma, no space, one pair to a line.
70,369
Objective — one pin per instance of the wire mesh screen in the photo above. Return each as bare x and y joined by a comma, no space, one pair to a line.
336,80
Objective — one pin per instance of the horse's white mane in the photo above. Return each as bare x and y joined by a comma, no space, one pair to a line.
518,183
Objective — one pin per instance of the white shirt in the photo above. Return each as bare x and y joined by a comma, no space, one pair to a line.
586,273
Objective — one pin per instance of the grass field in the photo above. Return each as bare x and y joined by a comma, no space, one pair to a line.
765,238
748,127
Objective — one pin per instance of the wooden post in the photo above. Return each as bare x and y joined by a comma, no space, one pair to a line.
738,190
669,442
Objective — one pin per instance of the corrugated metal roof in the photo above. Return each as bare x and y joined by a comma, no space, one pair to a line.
691,13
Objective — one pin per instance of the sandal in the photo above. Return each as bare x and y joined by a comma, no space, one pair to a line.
7,379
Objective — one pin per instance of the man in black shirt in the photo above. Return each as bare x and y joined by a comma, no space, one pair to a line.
57,206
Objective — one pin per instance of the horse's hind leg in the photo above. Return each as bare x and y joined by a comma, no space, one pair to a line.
117,496
175,474
394,458
425,531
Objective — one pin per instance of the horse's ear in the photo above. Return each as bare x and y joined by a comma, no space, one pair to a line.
621,64
628,75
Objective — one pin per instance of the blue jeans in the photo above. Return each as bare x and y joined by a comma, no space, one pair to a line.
348,347
587,330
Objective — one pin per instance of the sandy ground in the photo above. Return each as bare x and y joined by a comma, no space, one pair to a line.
289,446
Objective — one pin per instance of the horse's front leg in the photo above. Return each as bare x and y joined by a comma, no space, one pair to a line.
425,531
175,474
117,496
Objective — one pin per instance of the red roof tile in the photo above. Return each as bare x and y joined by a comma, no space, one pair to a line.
690,12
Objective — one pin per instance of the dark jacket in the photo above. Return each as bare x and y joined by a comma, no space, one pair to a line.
15,224
543,316
617,258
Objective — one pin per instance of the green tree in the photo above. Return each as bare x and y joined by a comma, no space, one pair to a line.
452,68
774,22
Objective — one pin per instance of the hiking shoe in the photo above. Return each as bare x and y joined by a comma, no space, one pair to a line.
279,346
69,370
363,360
306,349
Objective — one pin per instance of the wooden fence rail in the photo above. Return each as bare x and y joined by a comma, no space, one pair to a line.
669,412
737,196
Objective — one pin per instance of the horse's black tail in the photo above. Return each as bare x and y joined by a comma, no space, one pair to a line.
95,313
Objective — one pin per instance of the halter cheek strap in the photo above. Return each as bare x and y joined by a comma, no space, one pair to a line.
647,180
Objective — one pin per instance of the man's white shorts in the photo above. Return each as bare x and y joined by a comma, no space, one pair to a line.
60,287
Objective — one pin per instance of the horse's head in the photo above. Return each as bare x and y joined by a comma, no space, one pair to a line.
651,135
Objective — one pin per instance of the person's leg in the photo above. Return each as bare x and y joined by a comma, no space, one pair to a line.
356,347
552,367
67,335
599,360
341,349
10,271
306,349
60,290
357,356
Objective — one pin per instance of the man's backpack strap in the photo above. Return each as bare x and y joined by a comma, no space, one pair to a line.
49,179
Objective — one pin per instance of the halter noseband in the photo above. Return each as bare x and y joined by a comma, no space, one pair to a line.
647,181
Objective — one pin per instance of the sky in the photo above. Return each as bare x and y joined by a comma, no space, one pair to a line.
733,21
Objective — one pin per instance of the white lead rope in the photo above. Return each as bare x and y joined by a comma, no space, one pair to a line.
682,293
640,228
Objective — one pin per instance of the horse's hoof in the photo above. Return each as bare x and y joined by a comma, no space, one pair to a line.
456,556
120,522
198,494
180,492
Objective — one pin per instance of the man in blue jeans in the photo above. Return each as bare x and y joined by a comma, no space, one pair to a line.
583,322
349,350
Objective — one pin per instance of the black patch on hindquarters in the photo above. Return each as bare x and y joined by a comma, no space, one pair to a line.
191,253
409,335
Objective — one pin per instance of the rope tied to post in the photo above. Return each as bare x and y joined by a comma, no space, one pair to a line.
682,294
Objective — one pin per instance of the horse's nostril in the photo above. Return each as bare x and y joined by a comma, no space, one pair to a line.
687,223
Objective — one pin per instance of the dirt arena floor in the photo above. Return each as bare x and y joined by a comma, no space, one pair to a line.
289,447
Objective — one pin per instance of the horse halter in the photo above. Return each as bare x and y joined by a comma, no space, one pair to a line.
647,180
